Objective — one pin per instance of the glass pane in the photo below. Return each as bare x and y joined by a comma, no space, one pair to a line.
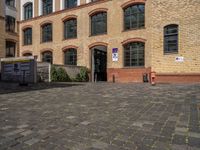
134,17
134,54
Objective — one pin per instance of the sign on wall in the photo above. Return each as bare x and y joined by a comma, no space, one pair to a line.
17,69
179,59
115,55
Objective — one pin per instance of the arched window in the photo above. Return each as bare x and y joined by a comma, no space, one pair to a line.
47,7
47,32
10,49
171,38
70,3
28,11
134,54
28,36
10,3
47,56
10,24
27,54
134,17
99,23
70,28
70,56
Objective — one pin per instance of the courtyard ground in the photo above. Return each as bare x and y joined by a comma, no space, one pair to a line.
101,116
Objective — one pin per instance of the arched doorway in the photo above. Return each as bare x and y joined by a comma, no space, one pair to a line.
99,63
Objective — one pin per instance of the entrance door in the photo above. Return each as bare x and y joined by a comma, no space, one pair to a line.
100,65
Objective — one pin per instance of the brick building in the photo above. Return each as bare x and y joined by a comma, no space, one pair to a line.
115,38
9,38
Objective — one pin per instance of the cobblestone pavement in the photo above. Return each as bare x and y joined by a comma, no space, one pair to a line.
100,116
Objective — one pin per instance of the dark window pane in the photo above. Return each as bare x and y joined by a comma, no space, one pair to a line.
47,6
70,56
10,3
134,17
70,28
70,3
10,24
47,57
99,23
134,54
47,33
10,49
28,11
171,38
28,36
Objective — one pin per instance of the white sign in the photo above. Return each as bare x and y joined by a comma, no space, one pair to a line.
179,59
115,55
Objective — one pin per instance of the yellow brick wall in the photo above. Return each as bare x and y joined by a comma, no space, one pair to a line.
185,13
114,37
1,30
2,38
158,13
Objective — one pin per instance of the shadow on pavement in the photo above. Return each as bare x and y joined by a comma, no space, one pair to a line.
6,88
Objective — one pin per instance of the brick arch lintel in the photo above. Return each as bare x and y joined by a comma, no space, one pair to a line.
133,2
46,50
46,22
68,47
27,51
68,17
11,40
28,2
97,11
98,44
133,40
27,26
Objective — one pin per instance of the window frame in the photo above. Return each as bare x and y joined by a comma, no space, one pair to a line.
138,26
8,3
9,54
10,24
72,52
91,23
65,29
130,57
165,36
47,52
28,36
68,5
28,7
44,39
47,7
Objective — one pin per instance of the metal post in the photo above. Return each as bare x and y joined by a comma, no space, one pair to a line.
113,77
95,77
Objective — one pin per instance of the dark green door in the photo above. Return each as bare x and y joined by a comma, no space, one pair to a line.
100,65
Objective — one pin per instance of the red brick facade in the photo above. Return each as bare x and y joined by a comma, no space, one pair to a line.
127,75
177,78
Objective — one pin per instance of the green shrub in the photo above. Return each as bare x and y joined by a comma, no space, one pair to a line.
82,76
54,76
59,75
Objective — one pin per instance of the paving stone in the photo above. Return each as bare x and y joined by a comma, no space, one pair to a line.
32,141
99,145
85,123
101,116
